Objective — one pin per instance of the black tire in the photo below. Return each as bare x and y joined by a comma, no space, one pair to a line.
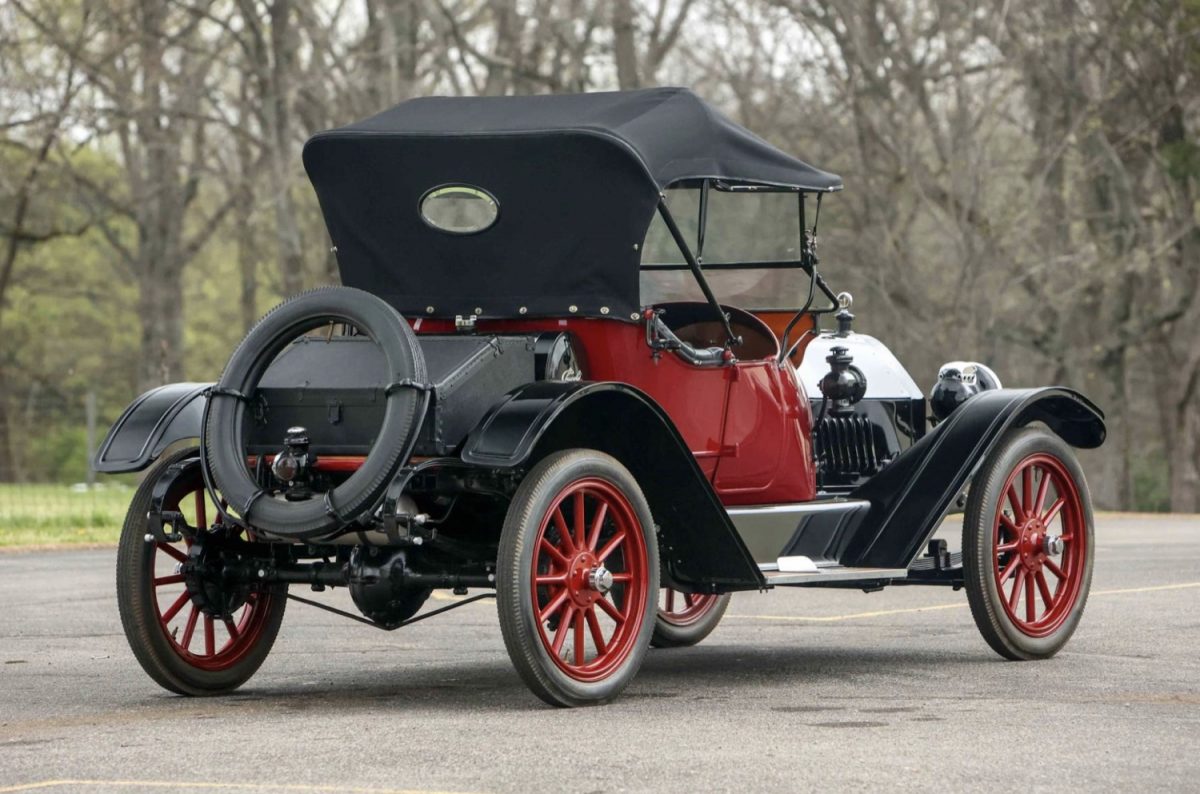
137,602
999,552
673,632
225,431
577,680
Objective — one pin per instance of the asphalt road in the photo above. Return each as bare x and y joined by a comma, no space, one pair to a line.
797,690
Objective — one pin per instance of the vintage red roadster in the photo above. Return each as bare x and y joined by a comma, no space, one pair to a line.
578,364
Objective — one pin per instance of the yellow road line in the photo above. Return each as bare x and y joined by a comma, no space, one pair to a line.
936,607
1182,586
852,616
175,784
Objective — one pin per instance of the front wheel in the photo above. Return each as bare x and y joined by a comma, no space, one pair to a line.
1028,545
193,634
577,578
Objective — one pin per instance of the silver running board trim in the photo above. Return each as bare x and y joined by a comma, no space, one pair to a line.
833,574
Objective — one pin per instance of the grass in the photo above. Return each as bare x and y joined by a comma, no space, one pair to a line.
55,515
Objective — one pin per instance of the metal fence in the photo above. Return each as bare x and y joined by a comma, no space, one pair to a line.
48,493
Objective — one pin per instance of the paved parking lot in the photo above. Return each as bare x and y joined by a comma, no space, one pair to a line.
798,689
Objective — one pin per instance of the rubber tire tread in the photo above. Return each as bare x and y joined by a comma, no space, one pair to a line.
225,455
514,601
138,619
982,502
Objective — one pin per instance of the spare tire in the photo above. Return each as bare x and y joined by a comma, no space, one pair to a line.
225,431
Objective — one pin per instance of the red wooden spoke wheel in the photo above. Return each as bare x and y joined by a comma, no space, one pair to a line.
577,578
202,639
1039,545
1027,545
589,579
686,618
193,634
684,609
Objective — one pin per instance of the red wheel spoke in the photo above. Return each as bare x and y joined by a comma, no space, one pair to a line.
1044,588
610,547
1015,501
564,625
1003,547
164,580
232,629
612,610
579,647
1053,511
190,629
553,551
564,531
622,577
1054,569
175,607
1008,569
551,578
1015,596
594,626
1009,526
173,552
1043,487
201,513
688,599
580,523
1027,491
210,636
597,525
1030,603
554,605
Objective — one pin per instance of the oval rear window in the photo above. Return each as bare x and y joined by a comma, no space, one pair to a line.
459,209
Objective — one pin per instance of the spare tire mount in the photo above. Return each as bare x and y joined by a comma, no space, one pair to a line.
407,395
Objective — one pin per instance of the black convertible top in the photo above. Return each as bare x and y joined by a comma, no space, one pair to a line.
577,178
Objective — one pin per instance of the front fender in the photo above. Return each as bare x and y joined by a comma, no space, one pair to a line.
911,495
150,424
698,544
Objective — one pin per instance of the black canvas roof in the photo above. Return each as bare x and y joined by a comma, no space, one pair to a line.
576,177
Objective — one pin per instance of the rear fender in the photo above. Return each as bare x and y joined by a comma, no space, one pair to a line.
151,423
700,547
911,495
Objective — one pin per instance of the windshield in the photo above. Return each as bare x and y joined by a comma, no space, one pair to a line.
758,230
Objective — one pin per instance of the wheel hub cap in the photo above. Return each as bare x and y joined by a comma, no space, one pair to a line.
600,580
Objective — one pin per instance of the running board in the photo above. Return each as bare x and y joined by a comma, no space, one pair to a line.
826,574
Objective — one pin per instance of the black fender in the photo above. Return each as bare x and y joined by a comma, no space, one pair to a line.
699,546
911,495
150,424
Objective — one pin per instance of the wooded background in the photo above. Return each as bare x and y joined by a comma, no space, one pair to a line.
1021,180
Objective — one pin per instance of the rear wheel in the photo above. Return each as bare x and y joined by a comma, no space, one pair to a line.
198,637
577,578
686,618
1027,545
